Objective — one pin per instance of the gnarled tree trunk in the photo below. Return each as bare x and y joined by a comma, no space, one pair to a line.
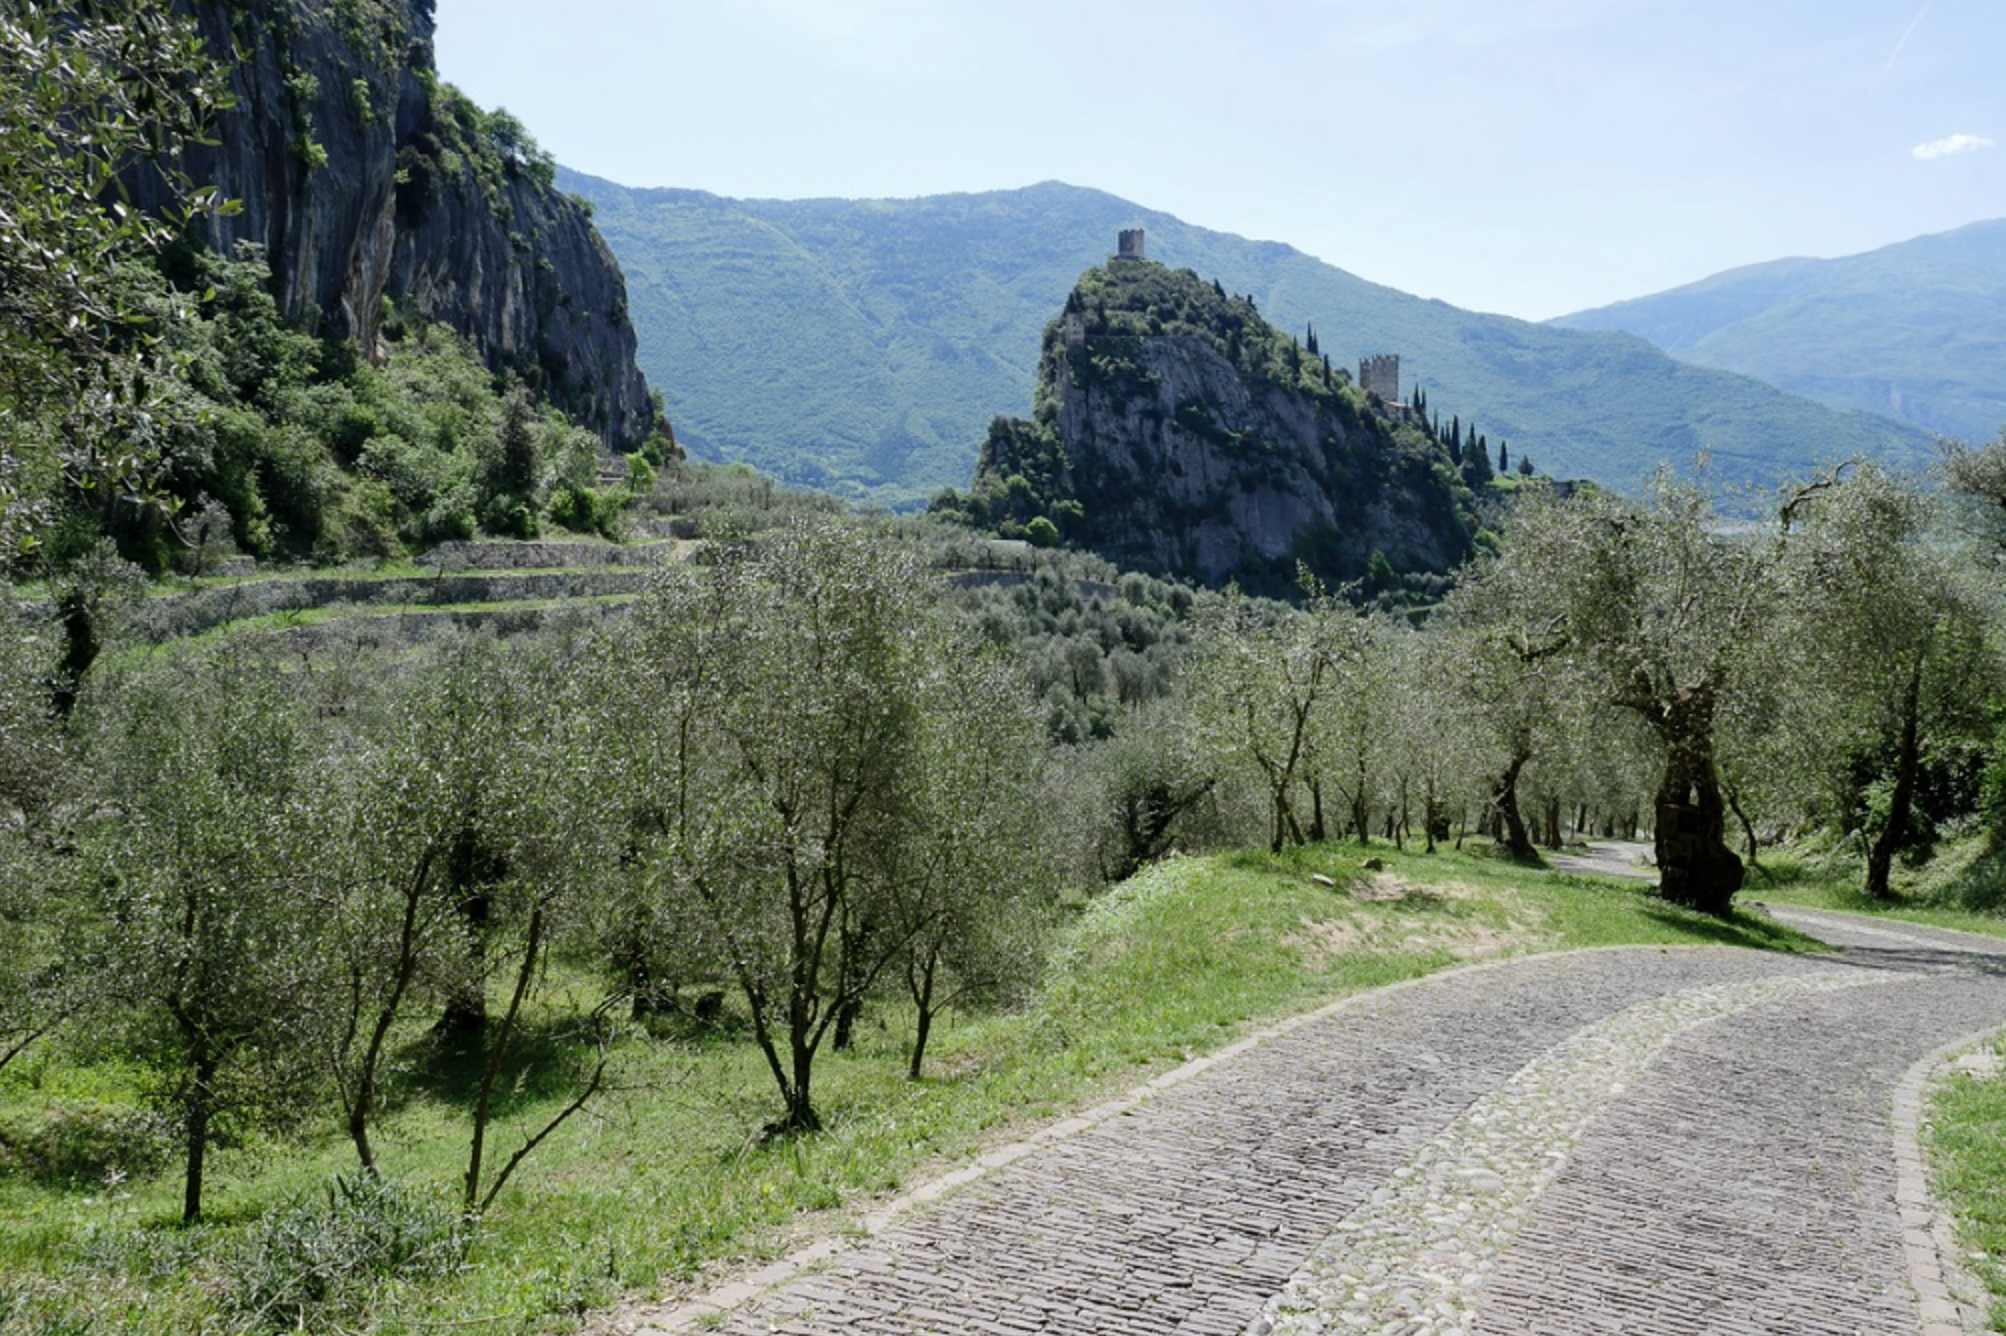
1505,803
1908,755
1695,867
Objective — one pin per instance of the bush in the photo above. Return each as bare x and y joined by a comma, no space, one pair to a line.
505,516
583,509
311,1264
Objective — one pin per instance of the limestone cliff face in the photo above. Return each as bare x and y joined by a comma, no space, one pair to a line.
368,184
1193,439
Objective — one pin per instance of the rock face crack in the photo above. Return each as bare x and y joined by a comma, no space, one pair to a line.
1414,1257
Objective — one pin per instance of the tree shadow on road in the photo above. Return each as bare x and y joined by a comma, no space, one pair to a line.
1924,960
1739,928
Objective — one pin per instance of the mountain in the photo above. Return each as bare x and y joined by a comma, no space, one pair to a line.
1180,434
1914,331
369,185
863,346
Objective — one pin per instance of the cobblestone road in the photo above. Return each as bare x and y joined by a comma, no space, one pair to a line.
1635,1141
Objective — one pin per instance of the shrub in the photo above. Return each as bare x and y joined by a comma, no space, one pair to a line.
308,1265
583,509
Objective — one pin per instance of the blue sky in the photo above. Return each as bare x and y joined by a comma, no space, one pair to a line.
1526,156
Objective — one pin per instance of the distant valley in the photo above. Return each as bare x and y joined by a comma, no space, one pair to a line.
863,346
1914,331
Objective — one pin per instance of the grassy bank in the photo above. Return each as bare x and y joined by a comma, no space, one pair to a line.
668,1181
1961,887
1966,1145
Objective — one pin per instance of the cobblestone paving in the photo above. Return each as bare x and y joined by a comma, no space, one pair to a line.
1747,1182
1418,1255
1740,1180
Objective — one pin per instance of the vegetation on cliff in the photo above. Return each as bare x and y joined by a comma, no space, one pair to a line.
189,404
364,178
1178,432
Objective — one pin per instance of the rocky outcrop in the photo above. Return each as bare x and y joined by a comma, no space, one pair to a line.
1193,439
374,190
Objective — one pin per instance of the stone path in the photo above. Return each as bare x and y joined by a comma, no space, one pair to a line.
1637,1141
1608,858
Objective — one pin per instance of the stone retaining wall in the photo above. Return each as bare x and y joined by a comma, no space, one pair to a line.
543,556
189,614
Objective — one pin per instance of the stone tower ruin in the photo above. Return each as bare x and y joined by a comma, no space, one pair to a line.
1130,245
1381,376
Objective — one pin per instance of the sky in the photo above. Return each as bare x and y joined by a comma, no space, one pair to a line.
1529,157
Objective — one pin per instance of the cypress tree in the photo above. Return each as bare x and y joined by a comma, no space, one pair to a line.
1477,462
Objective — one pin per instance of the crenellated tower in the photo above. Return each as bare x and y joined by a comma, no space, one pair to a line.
1380,375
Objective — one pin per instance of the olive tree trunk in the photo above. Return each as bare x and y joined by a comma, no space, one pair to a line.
1695,867
1908,758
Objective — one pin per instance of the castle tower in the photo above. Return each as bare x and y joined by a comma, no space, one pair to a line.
1076,330
1381,376
1131,245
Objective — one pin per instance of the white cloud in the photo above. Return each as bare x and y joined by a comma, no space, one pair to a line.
1949,146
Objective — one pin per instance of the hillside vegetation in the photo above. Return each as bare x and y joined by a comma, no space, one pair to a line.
707,873
1915,332
1177,432
864,345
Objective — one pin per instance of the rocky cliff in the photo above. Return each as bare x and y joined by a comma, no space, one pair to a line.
1177,432
373,188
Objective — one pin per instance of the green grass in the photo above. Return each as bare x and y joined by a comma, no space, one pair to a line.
1966,1142
1931,894
669,1181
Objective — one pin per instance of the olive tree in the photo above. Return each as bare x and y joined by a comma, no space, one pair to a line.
776,693
453,821
1131,798
1505,639
1350,733
1887,642
93,94
1437,746
970,880
36,903
1658,609
1264,673
201,769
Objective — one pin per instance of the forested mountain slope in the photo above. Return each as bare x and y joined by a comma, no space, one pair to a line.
1915,332
864,345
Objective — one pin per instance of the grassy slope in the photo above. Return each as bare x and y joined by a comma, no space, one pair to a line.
863,346
670,1179
1921,320
1967,1156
